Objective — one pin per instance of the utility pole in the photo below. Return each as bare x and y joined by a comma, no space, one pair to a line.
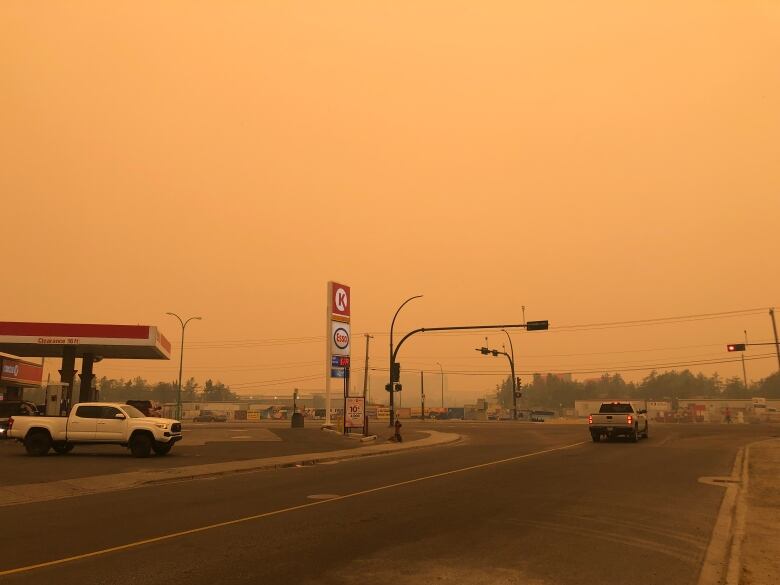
774,328
441,370
422,396
744,371
365,374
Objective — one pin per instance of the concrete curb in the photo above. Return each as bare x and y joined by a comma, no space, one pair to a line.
723,559
40,492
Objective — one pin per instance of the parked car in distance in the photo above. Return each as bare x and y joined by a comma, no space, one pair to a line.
14,408
210,416
148,407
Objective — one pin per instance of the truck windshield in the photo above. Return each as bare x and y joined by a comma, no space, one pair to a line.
610,408
132,411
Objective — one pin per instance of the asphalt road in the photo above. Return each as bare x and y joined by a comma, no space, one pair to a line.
530,504
202,443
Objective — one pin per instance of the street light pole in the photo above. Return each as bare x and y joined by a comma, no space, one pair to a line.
392,361
181,360
514,380
442,383
486,351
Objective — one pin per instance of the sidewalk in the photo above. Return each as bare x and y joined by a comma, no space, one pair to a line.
11,495
761,546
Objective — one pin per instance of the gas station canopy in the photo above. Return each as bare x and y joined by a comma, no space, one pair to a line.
100,341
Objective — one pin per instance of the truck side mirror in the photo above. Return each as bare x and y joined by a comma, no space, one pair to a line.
120,416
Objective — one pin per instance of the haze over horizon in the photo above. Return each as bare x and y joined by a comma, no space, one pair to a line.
594,162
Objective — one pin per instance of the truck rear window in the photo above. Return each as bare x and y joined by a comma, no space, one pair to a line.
610,408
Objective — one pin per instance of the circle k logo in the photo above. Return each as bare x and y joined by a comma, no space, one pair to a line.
341,300
341,338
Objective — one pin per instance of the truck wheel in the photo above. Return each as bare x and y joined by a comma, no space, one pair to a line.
37,443
162,448
62,448
634,436
646,434
141,445
596,437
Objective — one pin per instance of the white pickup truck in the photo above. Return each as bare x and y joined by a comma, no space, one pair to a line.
96,422
616,419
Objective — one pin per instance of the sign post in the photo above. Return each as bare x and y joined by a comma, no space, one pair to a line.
338,347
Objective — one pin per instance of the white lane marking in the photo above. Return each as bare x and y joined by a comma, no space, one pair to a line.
207,527
322,496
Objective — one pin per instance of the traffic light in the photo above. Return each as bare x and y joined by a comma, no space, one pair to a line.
483,350
518,388
495,353
736,347
395,373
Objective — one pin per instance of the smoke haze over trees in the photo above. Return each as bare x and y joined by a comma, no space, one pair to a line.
551,391
112,390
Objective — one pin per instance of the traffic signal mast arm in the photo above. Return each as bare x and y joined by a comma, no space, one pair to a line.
531,326
742,346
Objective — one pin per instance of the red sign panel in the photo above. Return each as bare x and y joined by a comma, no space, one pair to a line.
20,372
340,300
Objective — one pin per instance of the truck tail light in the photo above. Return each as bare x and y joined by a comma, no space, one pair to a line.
630,419
590,419
10,423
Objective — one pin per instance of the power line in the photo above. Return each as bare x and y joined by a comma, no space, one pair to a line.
594,370
281,341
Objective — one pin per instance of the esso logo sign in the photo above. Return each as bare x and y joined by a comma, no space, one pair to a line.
341,338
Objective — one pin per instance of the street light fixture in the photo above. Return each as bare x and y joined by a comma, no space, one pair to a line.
392,361
496,353
514,380
181,359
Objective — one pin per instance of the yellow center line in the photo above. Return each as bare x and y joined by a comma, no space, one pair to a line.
181,533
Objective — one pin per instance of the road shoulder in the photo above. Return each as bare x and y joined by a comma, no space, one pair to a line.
761,546
39,492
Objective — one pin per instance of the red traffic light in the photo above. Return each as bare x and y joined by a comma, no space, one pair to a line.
735,347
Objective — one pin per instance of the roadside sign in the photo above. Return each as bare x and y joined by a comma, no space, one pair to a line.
340,302
354,417
339,361
338,372
339,338
537,325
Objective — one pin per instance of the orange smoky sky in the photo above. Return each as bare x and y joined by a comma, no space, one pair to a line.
593,161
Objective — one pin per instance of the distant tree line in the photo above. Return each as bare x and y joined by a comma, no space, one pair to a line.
550,392
111,390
